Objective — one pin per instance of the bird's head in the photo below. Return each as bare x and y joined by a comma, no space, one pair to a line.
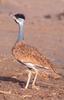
19,18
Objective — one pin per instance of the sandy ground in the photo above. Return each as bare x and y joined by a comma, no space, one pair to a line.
44,26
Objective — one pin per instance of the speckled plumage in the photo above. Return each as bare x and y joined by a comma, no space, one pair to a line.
28,54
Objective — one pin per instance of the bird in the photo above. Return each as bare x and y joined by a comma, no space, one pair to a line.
29,55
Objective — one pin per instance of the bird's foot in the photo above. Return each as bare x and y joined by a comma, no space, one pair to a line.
35,87
24,89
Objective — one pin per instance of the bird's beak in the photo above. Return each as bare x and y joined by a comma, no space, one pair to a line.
12,16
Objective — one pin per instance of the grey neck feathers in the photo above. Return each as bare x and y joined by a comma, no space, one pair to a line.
21,33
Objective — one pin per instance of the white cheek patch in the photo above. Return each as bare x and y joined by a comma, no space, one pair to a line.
21,21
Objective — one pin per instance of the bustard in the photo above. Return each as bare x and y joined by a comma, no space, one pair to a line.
29,55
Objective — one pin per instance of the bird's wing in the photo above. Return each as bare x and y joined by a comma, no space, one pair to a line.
28,54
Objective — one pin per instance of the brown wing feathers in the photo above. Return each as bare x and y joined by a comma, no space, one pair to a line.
26,53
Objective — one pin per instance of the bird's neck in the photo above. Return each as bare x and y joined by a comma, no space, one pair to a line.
21,33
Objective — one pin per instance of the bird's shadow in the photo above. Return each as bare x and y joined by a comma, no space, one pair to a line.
13,80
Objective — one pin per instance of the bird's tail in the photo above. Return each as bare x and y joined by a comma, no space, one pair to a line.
55,75
52,74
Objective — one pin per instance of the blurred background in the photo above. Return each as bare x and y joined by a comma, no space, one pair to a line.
44,26
44,29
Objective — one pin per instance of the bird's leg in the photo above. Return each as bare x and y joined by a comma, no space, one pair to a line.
29,77
33,84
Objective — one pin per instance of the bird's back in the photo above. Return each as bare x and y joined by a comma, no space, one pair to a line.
29,54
